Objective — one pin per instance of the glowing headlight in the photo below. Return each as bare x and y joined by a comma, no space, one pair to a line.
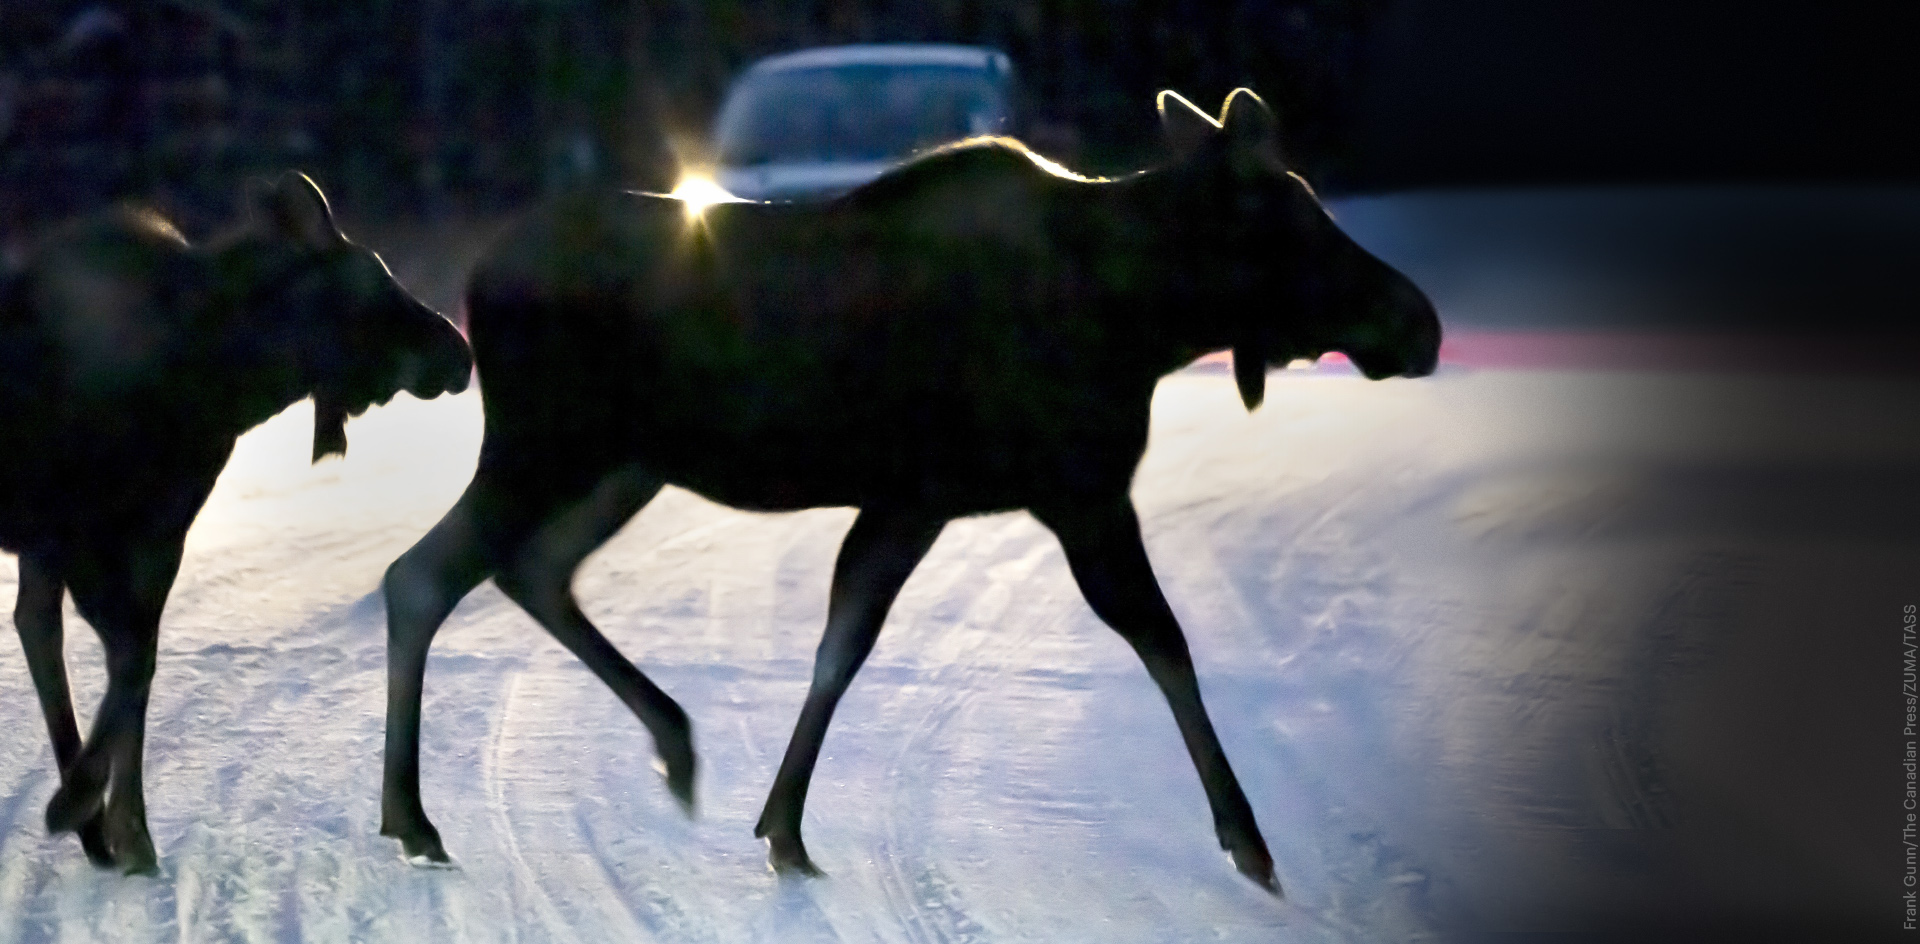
698,192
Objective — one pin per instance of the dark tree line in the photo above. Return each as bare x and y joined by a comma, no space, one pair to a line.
453,106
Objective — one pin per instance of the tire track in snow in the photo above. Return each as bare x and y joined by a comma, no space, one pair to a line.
525,878
667,914
561,736
927,905
652,874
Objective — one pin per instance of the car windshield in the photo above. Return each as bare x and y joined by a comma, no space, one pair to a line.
856,113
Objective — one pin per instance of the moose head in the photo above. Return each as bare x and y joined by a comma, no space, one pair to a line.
1293,283
358,336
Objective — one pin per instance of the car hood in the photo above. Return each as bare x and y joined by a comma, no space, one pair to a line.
797,180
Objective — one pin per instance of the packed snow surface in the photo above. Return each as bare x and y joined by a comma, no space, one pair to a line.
1452,633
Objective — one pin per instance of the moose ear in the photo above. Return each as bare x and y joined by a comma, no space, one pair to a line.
1187,127
1250,125
294,208
259,198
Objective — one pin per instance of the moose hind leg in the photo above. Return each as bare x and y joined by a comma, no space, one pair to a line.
36,615
1109,562
879,553
539,577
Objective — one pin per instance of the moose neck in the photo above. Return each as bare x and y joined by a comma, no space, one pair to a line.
1185,302
256,327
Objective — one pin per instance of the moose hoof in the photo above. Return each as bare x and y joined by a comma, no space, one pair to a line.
137,858
73,807
1253,861
788,856
678,773
95,843
427,862
419,845
132,848
425,852
1261,874
140,865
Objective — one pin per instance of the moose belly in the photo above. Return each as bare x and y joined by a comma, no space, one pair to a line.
952,468
775,426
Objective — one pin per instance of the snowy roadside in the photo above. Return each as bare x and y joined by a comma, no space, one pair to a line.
1463,639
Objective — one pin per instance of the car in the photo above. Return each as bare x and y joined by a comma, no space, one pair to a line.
818,122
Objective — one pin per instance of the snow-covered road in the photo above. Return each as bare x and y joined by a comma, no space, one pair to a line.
1495,649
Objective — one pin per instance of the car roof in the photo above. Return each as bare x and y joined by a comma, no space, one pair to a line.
887,54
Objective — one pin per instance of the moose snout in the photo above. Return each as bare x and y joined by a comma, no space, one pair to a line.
1411,348
1426,345
1416,345
1395,331
443,364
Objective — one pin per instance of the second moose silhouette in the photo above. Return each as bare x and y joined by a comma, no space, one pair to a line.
130,362
978,331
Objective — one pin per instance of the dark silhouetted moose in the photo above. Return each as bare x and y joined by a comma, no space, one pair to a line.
130,362
976,331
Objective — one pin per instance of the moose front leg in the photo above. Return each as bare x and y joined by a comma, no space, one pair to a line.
421,588
36,615
879,552
121,592
1109,562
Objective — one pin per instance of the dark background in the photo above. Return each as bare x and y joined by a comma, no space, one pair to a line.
443,107
446,107
1458,92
